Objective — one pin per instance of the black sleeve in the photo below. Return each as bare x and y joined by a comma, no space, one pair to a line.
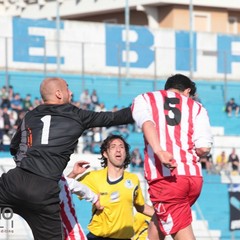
123,116
105,119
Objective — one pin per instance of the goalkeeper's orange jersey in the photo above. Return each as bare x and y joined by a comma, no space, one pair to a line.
118,199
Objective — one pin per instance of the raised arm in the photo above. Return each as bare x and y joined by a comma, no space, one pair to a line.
78,168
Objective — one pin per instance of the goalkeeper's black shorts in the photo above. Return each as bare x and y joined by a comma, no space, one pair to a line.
34,198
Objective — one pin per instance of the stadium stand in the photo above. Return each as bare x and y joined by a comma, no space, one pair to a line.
208,220
213,94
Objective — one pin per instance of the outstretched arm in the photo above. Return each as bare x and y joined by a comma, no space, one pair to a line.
83,192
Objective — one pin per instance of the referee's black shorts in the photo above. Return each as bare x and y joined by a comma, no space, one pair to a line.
34,198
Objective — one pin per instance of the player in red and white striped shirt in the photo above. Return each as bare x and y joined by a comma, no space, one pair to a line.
71,227
176,132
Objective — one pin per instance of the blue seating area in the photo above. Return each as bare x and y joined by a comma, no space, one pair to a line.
120,92
214,205
212,95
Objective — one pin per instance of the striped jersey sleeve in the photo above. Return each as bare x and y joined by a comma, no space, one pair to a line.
182,125
71,227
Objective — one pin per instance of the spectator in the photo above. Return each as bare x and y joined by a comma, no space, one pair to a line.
136,158
91,140
85,99
16,103
234,160
27,103
100,108
205,159
18,119
13,118
97,139
6,117
94,99
123,130
232,106
5,98
221,162
36,102
10,92
207,163
87,137
115,108
2,130
5,127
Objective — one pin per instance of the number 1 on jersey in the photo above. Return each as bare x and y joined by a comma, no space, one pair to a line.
45,131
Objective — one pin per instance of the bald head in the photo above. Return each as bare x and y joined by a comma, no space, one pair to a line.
55,91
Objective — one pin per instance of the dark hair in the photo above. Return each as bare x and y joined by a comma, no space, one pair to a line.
105,145
181,83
